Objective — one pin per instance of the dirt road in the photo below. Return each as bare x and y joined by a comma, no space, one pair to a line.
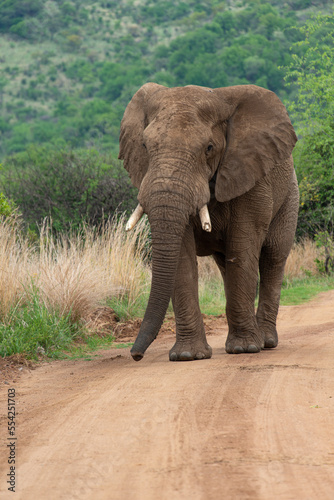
253,426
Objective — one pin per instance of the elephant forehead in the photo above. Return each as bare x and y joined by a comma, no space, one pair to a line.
181,121
184,103
176,125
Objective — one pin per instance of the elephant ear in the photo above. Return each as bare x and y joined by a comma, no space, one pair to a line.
259,136
134,121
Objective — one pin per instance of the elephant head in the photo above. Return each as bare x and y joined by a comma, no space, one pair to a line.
173,142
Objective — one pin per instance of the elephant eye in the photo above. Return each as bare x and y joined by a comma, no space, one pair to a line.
209,148
144,145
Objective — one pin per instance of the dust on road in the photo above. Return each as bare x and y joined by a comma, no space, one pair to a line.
250,426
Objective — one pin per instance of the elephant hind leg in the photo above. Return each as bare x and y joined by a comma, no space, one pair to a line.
240,280
271,276
273,257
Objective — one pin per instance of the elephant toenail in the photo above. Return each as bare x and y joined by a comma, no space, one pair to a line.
173,356
199,355
270,343
186,356
238,350
252,348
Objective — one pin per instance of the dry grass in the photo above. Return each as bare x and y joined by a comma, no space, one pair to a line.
301,261
79,272
15,256
208,269
74,274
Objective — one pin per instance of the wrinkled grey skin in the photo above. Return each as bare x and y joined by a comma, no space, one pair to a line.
230,148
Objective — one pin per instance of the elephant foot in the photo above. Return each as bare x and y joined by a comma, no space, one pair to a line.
182,351
269,332
239,344
270,338
270,343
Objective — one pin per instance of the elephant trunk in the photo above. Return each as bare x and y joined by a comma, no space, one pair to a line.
168,221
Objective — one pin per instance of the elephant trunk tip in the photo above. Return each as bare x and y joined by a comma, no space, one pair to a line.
137,356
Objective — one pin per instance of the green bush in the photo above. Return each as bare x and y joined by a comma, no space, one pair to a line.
312,73
71,187
13,12
6,207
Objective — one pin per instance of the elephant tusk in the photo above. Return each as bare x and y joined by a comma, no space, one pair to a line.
205,219
135,217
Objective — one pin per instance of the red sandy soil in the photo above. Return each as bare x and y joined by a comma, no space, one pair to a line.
249,426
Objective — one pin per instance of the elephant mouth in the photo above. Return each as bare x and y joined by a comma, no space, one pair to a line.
139,212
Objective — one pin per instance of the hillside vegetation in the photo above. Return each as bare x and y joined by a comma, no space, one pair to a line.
69,68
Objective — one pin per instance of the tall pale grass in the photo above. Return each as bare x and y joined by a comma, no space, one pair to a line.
15,259
302,260
300,263
73,274
208,269
78,272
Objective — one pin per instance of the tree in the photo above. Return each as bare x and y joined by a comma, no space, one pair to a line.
14,11
312,72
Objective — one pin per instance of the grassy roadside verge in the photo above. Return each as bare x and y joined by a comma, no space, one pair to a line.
302,290
294,292
38,334
50,291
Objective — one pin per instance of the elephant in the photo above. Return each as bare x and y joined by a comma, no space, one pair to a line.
215,175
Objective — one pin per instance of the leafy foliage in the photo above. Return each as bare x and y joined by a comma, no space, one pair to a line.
70,187
14,13
312,71
6,208
70,67
325,242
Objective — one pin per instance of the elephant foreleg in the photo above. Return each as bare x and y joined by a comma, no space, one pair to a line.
190,335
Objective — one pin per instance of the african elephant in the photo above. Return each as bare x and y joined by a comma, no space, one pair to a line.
215,177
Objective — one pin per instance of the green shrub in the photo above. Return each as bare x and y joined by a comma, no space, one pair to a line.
6,207
71,187
312,73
